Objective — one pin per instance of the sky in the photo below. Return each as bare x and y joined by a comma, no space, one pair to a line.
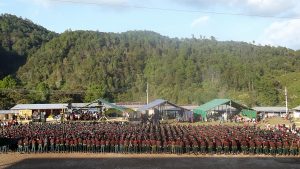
263,22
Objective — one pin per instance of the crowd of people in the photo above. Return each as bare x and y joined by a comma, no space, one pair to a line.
148,138
84,115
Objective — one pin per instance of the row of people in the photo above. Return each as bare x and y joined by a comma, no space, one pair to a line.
178,146
148,138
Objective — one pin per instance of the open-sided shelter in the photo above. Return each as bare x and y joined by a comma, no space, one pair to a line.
218,106
296,112
163,109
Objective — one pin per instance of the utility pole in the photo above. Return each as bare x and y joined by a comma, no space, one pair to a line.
147,93
286,100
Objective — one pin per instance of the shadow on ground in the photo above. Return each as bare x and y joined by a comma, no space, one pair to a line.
156,163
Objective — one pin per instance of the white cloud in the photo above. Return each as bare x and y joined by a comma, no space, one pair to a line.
271,7
199,21
257,7
282,33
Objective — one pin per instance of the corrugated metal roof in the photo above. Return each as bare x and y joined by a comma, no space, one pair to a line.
63,106
152,104
79,105
297,108
9,112
39,106
212,104
189,107
111,105
219,102
269,109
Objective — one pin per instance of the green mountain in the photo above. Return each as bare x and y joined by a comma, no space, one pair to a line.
18,39
84,65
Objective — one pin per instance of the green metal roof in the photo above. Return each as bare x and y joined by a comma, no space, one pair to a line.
112,105
217,102
107,104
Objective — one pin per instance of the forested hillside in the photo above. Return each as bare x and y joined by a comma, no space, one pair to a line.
84,65
18,39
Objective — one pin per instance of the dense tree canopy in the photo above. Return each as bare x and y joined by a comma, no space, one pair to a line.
18,39
84,65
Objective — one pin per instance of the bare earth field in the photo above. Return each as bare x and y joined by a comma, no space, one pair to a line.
144,161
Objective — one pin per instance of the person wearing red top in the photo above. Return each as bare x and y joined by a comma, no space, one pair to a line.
122,145
195,147
52,144
102,142
80,144
135,146
158,146
62,144
165,146
93,145
173,147
139,141
84,147
26,143
67,144
148,145
97,143
279,147
45,147
181,144
20,146
112,146
33,145
107,144
71,145
40,145
88,145
116,146
76,145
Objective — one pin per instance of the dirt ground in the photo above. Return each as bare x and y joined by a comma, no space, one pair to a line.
144,161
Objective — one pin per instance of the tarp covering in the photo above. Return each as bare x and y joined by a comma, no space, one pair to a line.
249,113
200,113
212,104
107,104
218,102
112,105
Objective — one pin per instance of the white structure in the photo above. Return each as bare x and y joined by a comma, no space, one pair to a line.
271,111
296,112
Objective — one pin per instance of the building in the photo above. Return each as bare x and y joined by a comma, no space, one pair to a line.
296,112
217,108
43,111
161,109
271,111
29,111
8,114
